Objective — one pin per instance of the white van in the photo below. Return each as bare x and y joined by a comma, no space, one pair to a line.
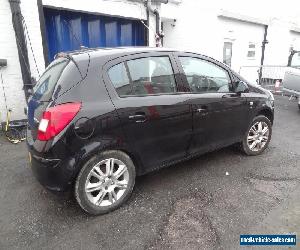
291,80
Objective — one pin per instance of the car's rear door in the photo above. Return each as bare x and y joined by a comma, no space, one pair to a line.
156,117
219,114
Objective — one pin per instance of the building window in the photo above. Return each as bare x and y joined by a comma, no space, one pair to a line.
251,51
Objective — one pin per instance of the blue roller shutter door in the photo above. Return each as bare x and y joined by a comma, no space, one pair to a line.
67,30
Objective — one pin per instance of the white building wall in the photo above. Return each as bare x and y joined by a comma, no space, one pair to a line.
198,28
31,16
194,30
241,34
11,75
152,31
279,43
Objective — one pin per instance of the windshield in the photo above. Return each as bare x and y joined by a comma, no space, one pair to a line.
44,88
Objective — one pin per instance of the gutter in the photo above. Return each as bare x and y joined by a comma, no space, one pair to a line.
157,22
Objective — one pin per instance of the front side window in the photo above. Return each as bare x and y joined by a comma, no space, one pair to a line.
143,76
203,76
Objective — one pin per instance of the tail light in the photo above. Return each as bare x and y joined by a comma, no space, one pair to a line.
55,119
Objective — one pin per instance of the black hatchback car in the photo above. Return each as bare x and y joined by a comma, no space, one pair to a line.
100,117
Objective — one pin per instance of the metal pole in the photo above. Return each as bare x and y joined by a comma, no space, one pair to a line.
263,47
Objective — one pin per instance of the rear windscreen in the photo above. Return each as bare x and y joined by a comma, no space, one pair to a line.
44,88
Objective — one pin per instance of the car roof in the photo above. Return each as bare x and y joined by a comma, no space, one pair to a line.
102,51
108,53
121,51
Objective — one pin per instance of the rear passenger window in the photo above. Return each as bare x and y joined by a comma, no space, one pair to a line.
45,86
144,76
203,76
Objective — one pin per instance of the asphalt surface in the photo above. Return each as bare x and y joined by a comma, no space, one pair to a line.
192,205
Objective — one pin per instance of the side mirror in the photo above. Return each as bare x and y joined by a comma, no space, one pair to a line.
241,87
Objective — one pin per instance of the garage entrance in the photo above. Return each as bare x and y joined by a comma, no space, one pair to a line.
68,30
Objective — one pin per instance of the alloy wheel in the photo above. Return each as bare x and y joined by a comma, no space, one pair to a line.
107,182
258,136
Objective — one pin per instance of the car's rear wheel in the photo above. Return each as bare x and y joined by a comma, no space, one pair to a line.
258,136
105,182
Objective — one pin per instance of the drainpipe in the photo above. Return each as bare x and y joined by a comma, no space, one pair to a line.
263,47
148,24
157,21
21,45
292,53
158,35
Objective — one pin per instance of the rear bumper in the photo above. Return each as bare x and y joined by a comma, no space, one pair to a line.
57,175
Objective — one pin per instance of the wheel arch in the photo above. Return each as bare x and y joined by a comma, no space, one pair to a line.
267,113
93,149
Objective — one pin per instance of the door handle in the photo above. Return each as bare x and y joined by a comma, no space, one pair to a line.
229,95
138,117
202,109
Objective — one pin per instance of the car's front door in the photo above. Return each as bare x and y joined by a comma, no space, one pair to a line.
219,114
156,118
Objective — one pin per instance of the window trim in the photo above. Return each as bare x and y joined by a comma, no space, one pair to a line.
129,57
210,61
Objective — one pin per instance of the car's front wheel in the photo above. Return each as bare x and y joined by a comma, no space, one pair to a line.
105,182
258,136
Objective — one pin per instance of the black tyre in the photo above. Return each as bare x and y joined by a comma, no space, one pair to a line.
13,135
23,132
105,182
258,136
